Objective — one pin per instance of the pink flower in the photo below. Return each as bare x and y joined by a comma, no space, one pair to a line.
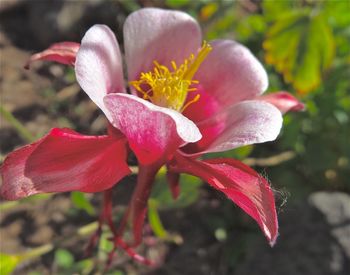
186,98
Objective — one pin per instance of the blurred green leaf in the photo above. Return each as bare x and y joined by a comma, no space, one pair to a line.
208,10
8,263
345,102
300,45
85,266
242,152
80,201
189,192
130,6
63,258
154,219
273,9
105,244
69,75
176,3
341,116
238,153
220,234
337,12
116,272
17,125
249,26
221,26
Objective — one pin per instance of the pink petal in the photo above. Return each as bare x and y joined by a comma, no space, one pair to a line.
231,73
245,123
99,67
162,35
204,108
241,184
63,52
63,161
284,101
153,132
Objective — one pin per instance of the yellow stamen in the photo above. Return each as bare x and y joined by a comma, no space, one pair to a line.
196,98
169,88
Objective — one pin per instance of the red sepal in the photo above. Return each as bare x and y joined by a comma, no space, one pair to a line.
244,186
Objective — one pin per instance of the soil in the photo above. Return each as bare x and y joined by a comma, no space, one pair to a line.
46,96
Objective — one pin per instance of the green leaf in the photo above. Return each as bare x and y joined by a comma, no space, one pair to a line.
177,3
300,45
337,13
80,201
8,263
69,75
208,10
189,192
63,258
105,245
130,6
250,26
116,272
274,9
17,125
85,266
238,153
154,219
221,26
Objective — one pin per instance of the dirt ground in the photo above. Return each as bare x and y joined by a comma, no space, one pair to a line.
314,231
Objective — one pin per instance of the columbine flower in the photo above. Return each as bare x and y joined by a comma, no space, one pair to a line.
187,97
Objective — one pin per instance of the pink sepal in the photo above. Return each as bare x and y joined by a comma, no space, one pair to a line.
64,160
63,52
245,187
284,101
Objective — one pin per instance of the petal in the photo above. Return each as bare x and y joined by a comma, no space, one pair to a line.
63,52
153,132
231,73
205,107
99,67
241,184
154,34
63,161
284,101
245,123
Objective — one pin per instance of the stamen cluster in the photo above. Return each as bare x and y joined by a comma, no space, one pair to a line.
169,89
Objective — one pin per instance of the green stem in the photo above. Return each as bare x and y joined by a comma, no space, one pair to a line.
87,229
11,204
8,205
22,131
36,252
46,248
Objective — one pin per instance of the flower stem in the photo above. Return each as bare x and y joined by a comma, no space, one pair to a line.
138,203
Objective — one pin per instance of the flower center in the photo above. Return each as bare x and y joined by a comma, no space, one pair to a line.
169,89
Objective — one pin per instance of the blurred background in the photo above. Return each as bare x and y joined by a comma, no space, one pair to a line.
305,47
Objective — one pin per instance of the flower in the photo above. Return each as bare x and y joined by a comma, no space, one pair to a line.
186,98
